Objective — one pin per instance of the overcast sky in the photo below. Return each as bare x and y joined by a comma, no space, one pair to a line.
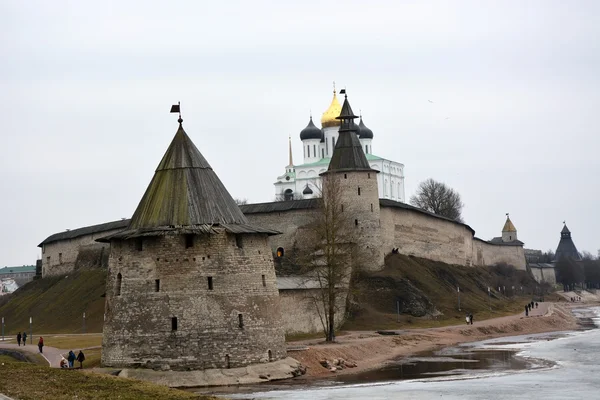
85,90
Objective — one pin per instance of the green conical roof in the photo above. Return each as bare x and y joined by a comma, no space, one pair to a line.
185,191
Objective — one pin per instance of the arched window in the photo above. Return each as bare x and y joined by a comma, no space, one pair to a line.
288,194
280,252
332,144
119,281
385,188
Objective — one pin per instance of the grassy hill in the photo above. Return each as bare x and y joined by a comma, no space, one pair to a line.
427,293
57,304
425,289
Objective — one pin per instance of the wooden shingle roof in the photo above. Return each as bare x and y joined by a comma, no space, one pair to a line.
185,195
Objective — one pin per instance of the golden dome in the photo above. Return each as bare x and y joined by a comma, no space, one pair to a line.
329,116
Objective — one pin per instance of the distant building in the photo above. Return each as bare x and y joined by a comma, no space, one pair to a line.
21,275
566,248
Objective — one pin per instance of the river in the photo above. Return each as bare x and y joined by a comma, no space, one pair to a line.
562,365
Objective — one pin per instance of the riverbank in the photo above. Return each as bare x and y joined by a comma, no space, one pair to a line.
373,351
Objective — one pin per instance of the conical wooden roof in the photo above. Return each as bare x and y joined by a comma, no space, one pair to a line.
186,196
509,226
348,154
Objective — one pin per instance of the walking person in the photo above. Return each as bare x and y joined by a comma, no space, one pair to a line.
41,344
24,338
527,310
19,339
467,319
80,359
71,358
471,318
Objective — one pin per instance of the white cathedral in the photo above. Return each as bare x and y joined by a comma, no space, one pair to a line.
304,181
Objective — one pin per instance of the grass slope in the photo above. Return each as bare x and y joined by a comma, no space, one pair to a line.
422,284
31,382
57,304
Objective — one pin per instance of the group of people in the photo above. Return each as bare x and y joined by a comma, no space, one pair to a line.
22,337
529,307
71,358
575,299
64,363
469,319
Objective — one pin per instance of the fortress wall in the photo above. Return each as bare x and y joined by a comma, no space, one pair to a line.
300,314
543,274
286,222
418,234
489,254
59,257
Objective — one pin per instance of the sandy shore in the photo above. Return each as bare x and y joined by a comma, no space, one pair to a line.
372,351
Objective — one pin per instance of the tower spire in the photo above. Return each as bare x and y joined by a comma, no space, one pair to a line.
290,150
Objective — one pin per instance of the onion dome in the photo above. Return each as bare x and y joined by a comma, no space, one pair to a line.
329,117
307,190
310,132
363,131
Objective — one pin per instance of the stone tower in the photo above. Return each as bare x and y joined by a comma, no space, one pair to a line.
509,232
566,248
190,283
356,184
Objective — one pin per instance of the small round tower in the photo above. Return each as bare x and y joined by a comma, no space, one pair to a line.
509,232
191,284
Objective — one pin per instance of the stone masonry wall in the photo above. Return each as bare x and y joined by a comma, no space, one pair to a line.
210,288
300,313
544,275
289,223
359,197
489,254
422,235
59,257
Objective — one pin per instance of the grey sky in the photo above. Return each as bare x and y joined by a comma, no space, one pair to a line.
85,90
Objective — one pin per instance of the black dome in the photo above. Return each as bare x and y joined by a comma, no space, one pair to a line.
363,131
307,190
310,132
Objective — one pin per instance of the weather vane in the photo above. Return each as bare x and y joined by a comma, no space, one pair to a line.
176,108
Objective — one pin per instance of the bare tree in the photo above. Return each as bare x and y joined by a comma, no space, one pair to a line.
586,256
329,255
240,202
569,273
438,198
547,257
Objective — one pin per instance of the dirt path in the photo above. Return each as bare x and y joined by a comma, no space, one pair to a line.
371,351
